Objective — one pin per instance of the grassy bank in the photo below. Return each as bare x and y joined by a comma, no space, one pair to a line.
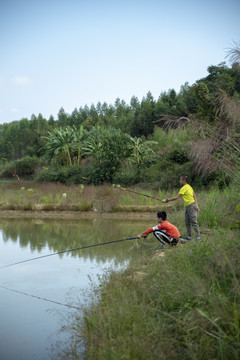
20,195
27,196
183,305
180,303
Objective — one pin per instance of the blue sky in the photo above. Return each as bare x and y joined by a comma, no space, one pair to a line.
70,53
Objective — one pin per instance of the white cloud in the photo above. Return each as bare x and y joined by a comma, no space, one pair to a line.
21,80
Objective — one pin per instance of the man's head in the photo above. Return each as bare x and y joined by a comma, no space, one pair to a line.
162,216
183,180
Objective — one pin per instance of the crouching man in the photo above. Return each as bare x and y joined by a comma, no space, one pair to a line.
165,232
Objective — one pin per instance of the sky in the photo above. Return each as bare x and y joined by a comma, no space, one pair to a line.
56,53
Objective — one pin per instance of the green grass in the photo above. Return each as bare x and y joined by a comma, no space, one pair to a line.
171,137
218,208
183,306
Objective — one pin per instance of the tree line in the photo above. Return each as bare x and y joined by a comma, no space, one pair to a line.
196,130
27,137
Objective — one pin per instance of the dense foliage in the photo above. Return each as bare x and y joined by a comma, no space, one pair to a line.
108,142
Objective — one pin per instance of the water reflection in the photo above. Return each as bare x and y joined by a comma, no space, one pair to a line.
59,236
28,329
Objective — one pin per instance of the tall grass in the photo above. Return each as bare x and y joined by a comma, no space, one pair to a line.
183,306
218,208
171,137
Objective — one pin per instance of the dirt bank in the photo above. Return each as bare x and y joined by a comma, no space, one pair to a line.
74,214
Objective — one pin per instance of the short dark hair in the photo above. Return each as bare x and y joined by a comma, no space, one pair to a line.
162,214
184,178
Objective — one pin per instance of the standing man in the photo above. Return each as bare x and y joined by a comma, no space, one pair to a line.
191,206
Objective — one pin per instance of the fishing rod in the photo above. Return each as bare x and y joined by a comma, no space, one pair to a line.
56,253
124,189
67,251
40,298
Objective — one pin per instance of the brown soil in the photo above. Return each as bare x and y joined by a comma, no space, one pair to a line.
158,254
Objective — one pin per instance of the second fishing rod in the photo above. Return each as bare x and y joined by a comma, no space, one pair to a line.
118,187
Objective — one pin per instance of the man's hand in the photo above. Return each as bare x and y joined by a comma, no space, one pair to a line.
164,201
198,209
142,235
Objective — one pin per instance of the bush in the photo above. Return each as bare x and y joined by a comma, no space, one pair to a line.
178,155
71,174
25,167
52,175
66,175
166,173
127,177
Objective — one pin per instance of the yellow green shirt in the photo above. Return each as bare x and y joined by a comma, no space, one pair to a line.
187,194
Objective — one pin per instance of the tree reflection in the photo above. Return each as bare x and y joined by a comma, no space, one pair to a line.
59,235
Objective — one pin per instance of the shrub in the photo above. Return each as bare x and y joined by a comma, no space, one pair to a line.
166,173
71,174
127,177
25,167
178,155
52,175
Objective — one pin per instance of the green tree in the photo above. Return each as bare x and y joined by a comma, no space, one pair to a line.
143,124
59,145
62,117
109,148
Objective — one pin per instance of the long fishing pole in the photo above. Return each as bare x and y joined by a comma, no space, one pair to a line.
39,297
125,189
67,251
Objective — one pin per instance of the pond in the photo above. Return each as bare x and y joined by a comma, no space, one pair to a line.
30,325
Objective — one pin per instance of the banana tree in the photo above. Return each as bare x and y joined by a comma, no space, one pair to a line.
78,141
92,146
139,149
59,145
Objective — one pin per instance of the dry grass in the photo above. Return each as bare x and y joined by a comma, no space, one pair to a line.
213,147
20,195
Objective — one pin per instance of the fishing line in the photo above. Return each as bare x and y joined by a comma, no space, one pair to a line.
56,253
39,297
67,251
125,189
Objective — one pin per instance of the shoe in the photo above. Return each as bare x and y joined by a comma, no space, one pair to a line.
174,242
184,240
160,246
197,238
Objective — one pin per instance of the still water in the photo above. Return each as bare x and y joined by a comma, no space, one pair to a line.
30,327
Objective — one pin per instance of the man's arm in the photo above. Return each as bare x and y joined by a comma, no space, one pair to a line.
195,198
146,232
172,199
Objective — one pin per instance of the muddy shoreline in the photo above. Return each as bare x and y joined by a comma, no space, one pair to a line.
74,214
